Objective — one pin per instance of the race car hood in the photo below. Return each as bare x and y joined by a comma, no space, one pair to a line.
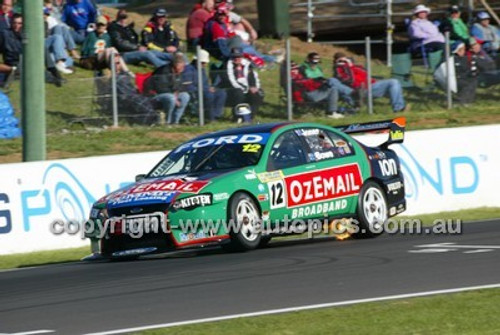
159,190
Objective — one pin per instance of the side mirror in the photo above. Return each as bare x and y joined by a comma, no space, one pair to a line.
140,177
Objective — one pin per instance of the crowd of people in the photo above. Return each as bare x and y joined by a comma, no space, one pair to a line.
77,34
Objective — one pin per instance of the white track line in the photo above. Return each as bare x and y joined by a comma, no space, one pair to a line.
32,332
296,309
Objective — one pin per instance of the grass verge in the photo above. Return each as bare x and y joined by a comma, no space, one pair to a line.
73,255
463,313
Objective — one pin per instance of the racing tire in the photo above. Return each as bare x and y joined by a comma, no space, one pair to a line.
372,211
244,232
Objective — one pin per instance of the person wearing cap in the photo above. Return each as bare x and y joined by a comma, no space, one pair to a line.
126,41
356,77
489,34
466,73
159,35
423,32
198,18
214,99
79,15
166,82
455,26
241,82
488,73
312,70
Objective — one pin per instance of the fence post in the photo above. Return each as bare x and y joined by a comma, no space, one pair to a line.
310,16
390,29
114,93
369,73
289,98
201,107
449,100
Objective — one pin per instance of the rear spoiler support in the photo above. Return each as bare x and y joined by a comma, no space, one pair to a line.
395,127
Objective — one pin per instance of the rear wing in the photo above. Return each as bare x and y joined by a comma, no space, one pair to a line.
395,128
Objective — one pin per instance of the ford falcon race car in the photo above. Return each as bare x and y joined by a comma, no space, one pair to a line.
234,187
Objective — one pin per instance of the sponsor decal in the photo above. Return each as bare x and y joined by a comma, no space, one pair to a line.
323,185
277,193
180,185
394,187
261,187
194,201
319,209
263,197
388,167
192,236
260,138
323,155
158,196
307,132
252,148
397,135
265,215
267,177
221,196
392,211
250,176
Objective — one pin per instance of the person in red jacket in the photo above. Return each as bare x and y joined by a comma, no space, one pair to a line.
313,90
199,16
356,77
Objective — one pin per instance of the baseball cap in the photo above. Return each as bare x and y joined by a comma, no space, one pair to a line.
102,20
454,9
222,9
456,46
160,12
204,56
236,52
421,8
483,16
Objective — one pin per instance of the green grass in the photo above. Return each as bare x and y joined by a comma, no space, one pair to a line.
73,255
471,313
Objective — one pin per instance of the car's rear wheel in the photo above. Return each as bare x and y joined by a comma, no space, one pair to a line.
372,211
245,228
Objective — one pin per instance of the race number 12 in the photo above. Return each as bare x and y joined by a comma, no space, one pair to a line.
277,194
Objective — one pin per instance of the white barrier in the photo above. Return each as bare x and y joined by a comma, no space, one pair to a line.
445,170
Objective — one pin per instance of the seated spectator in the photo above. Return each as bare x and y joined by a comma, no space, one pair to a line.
218,39
199,16
54,27
312,70
79,15
356,77
488,73
423,33
466,72
97,52
159,34
214,99
166,83
238,24
242,83
6,15
315,91
484,31
459,32
126,41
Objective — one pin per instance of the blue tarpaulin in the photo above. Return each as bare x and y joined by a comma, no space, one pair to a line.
9,124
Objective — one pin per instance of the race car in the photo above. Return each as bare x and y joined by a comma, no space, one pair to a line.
237,188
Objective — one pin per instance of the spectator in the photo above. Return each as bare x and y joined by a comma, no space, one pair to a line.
356,77
56,47
312,70
466,72
423,33
79,15
242,83
59,28
159,34
315,91
218,40
97,51
166,82
488,73
198,18
490,35
126,41
239,25
6,14
459,32
214,99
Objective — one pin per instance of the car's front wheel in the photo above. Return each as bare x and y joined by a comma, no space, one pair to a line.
372,210
244,223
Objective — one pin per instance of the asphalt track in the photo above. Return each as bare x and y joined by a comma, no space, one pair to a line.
85,298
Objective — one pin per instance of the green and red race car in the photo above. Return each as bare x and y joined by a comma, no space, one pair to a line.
240,187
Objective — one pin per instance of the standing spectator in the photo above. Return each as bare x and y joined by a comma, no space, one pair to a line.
214,99
126,41
312,90
166,82
6,14
488,73
459,32
79,15
466,72
423,33
159,34
312,70
97,52
484,31
356,77
198,17
242,83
